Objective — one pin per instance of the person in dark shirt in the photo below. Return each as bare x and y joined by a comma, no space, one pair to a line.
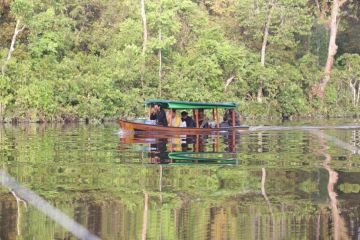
158,114
189,121
227,119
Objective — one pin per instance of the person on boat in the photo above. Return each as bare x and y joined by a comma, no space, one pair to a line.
158,114
203,121
225,123
227,119
190,123
173,119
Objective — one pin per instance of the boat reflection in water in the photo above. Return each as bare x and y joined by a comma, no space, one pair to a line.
160,148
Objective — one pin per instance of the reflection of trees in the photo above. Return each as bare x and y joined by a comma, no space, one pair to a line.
123,199
8,215
340,231
263,192
18,205
145,216
177,202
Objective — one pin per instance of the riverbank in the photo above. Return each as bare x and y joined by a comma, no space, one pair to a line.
250,111
251,121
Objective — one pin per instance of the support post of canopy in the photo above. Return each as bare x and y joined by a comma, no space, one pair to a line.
149,112
213,114
233,117
197,143
170,118
197,118
233,141
217,118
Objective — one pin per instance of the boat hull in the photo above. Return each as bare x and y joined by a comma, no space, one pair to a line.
133,126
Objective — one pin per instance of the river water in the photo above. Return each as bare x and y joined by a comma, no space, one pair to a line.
266,183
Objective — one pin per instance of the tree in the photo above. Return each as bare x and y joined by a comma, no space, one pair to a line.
145,38
264,43
273,28
348,71
319,89
22,10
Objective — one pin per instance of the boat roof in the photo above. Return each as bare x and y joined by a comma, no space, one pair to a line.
170,104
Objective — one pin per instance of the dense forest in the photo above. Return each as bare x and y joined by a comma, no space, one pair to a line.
99,59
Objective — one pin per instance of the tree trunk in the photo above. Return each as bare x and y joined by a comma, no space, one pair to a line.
230,79
263,192
321,9
256,6
263,47
339,226
2,110
259,93
319,90
145,38
353,91
358,94
160,64
318,7
266,33
12,45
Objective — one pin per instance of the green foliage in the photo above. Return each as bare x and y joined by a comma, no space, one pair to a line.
48,33
319,43
83,59
37,97
309,186
344,89
349,188
22,9
6,95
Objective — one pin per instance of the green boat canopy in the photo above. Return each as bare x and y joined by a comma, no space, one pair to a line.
168,104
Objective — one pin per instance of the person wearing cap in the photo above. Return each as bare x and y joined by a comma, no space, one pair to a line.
189,121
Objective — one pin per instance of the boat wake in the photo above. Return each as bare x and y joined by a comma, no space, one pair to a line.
285,128
122,133
316,130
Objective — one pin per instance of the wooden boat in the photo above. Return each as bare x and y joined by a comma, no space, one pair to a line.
180,105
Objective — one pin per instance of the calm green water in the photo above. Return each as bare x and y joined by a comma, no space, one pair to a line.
293,184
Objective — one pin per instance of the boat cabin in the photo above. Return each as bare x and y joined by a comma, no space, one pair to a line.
195,107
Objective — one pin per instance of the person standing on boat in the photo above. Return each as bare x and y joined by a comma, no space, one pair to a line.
190,123
158,114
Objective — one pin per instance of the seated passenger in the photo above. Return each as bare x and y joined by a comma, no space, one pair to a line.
187,119
173,119
203,121
158,114
227,119
225,123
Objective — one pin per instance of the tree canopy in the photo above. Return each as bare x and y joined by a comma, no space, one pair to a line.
73,60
